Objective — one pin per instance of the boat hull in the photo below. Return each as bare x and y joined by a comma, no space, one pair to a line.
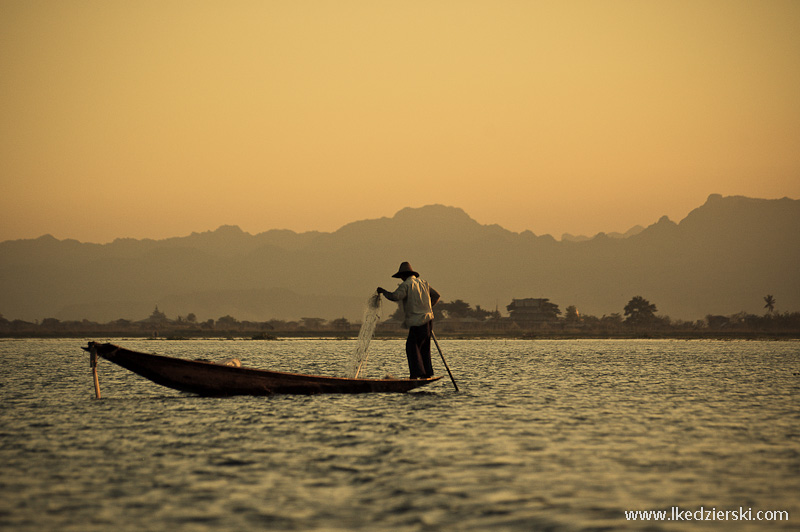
209,379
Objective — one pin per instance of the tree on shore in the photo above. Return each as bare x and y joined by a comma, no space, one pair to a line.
639,311
770,304
227,322
341,324
157,316
572,316
457,309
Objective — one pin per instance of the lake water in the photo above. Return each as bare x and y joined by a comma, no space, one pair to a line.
544,435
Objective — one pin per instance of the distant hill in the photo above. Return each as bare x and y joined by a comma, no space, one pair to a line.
635,230
723,258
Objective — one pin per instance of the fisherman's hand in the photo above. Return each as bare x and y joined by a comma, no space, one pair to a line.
381,290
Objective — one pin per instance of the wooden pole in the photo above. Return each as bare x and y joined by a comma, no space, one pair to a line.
93,362
443,360
358,371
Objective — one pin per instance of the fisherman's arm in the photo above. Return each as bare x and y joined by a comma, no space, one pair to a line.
435,296
397,295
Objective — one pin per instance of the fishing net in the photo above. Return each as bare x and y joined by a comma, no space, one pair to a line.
372,315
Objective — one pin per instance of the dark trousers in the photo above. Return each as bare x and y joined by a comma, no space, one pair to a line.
418,350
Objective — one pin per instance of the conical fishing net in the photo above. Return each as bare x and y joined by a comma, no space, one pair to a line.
372,315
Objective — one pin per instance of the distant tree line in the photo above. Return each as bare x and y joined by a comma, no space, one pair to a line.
527,317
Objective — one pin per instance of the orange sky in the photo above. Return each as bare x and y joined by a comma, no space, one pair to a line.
159,118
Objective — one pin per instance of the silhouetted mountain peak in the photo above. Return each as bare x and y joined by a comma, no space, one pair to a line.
434,213
660,231
569,237
223,231
229,230
450,221
727,217
633,231
417,223
226,239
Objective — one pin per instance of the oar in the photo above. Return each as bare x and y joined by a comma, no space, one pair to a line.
93,363
443,360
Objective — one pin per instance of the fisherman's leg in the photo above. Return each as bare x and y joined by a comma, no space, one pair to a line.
416,367
425,349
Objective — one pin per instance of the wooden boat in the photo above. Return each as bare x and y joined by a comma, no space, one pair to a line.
210,379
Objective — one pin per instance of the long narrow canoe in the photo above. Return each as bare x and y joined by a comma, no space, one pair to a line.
210,379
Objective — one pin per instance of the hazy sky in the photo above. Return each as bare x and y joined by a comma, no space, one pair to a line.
159,118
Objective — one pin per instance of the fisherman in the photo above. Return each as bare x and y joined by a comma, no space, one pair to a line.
416,298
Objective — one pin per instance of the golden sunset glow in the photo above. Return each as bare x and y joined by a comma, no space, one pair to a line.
156,119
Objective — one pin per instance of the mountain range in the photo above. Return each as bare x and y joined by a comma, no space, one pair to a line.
723,258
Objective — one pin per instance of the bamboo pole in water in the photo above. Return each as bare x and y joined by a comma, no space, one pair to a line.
93,362
443,360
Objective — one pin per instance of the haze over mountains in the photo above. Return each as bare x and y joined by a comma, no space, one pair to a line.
723,258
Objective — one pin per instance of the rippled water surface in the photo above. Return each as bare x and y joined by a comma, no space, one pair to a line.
544,435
